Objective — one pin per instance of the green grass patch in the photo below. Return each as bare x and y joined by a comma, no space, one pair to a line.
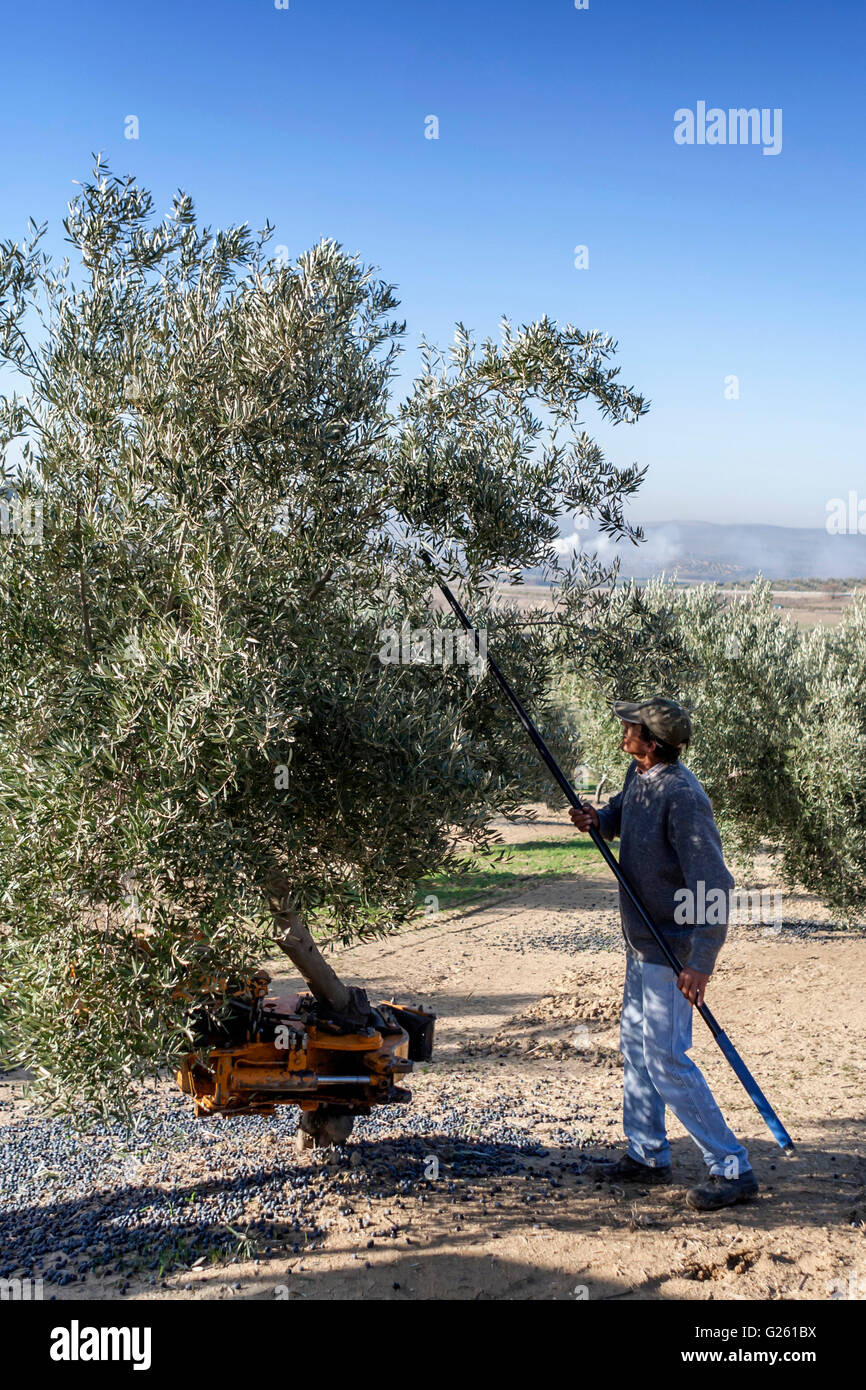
508,869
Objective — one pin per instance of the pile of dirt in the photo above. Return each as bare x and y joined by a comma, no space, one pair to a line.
594,989
732,1262
578,1020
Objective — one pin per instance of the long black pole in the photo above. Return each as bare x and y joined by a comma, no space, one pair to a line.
756,1095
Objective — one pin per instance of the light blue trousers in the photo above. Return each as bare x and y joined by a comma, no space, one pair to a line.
655,1037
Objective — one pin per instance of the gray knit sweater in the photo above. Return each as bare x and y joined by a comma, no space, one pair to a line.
670,842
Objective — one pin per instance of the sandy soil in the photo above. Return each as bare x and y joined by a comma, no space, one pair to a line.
805,607
529,1030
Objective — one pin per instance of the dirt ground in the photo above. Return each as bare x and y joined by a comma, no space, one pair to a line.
805,607
527,1036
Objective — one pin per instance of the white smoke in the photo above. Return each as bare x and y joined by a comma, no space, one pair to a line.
660,550
708,550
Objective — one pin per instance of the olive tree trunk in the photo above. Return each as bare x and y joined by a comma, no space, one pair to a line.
294,938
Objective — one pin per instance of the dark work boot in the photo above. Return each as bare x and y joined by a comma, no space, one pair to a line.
722,1192
628,1169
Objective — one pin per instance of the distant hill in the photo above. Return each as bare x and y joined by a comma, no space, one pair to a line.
702,550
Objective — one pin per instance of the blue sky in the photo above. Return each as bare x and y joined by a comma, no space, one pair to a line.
555,130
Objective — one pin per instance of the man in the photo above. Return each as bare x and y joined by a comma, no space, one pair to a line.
671,853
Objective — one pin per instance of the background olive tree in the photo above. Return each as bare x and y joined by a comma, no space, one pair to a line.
827,849
201,753
780,726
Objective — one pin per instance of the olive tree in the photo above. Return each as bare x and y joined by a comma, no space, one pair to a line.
204,754
827,849
780,726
